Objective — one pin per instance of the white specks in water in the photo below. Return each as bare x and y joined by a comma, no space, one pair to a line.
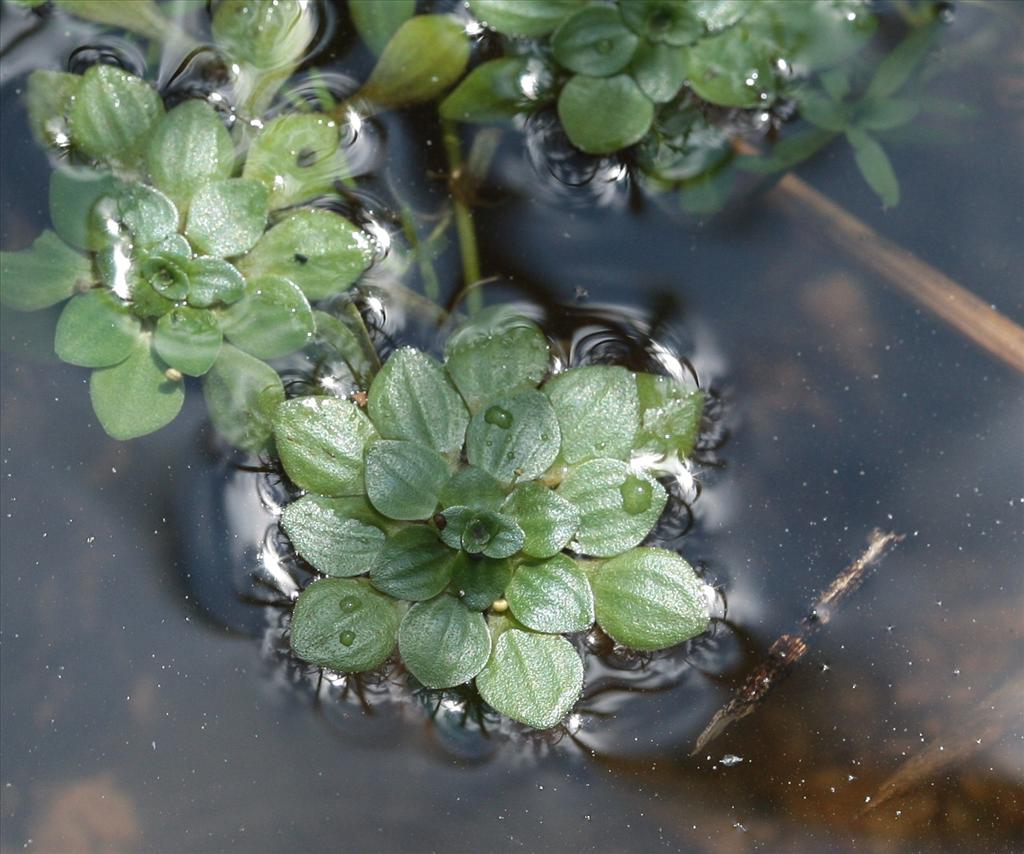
730,759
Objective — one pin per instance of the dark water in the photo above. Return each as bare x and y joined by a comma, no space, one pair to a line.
146,707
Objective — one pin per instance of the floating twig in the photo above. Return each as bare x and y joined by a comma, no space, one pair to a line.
789,648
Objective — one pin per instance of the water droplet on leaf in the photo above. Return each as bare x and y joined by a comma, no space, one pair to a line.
498,417
347,637
636,495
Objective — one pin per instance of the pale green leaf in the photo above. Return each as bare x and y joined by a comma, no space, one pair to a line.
404,479
413,565
732,69
514,438
597,410
135,397
112,115
213,281
552,595
442,643
618,507
666,21
321,442
44,275
338,536
471,487
188,339
227,217
412,399
73,193
523,17
376,21
548,521
189,147
649,599
670,416
532,678
479,581
425,56
498,353
594,41
272,319
319,250
601,115
344,624
659,70
242,396
494,91
48,98
875,166
96,330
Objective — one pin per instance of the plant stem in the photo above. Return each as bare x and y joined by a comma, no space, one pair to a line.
463,219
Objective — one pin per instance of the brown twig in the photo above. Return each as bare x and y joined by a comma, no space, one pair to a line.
789,648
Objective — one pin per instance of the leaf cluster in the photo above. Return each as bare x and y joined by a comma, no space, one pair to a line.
485,484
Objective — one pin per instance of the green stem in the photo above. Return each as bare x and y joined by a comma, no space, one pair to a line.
463,219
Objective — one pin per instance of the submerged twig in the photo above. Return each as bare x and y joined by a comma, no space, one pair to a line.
985,724
953,303
789,648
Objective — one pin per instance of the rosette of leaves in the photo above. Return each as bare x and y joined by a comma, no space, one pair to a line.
480,508
619,70
161,248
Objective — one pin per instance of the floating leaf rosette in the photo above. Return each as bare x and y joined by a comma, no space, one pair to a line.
171,252
494,506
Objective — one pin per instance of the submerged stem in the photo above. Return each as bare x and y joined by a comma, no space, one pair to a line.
468,249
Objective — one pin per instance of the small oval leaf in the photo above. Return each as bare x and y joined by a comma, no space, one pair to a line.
338,536
514,438
227,217
649,599
242,395
548,521
344,624
96,330
532,678
443,643
586,106
553,596
273,318
188,339
598,411
404,479
189,147
413,565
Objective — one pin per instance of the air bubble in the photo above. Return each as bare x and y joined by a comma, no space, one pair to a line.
498,417
636,495
347,637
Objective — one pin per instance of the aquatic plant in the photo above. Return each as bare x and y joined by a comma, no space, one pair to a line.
161,249
486,484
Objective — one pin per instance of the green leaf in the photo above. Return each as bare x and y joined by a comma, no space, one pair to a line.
788,152
426,55
165,275
812,36
227,217
377,22
44,275
514,438
597,409
136,16
479,581
273,318
604,114
494,91
351,345
895,70
412,399
321,442
73,193
548,520
404,479
523,17
213,281
188,339
670,416
721,66
133,218
135,397
338,536
296,156
319,250
189,147
874,165
888,114
481,532
498,353
659,70
344,624
618,507
474,488
112,115
442,643
95,330
413,565
594,41
822,111
667,21
532,678
551,596
649,599
48,98
242,394
267,39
